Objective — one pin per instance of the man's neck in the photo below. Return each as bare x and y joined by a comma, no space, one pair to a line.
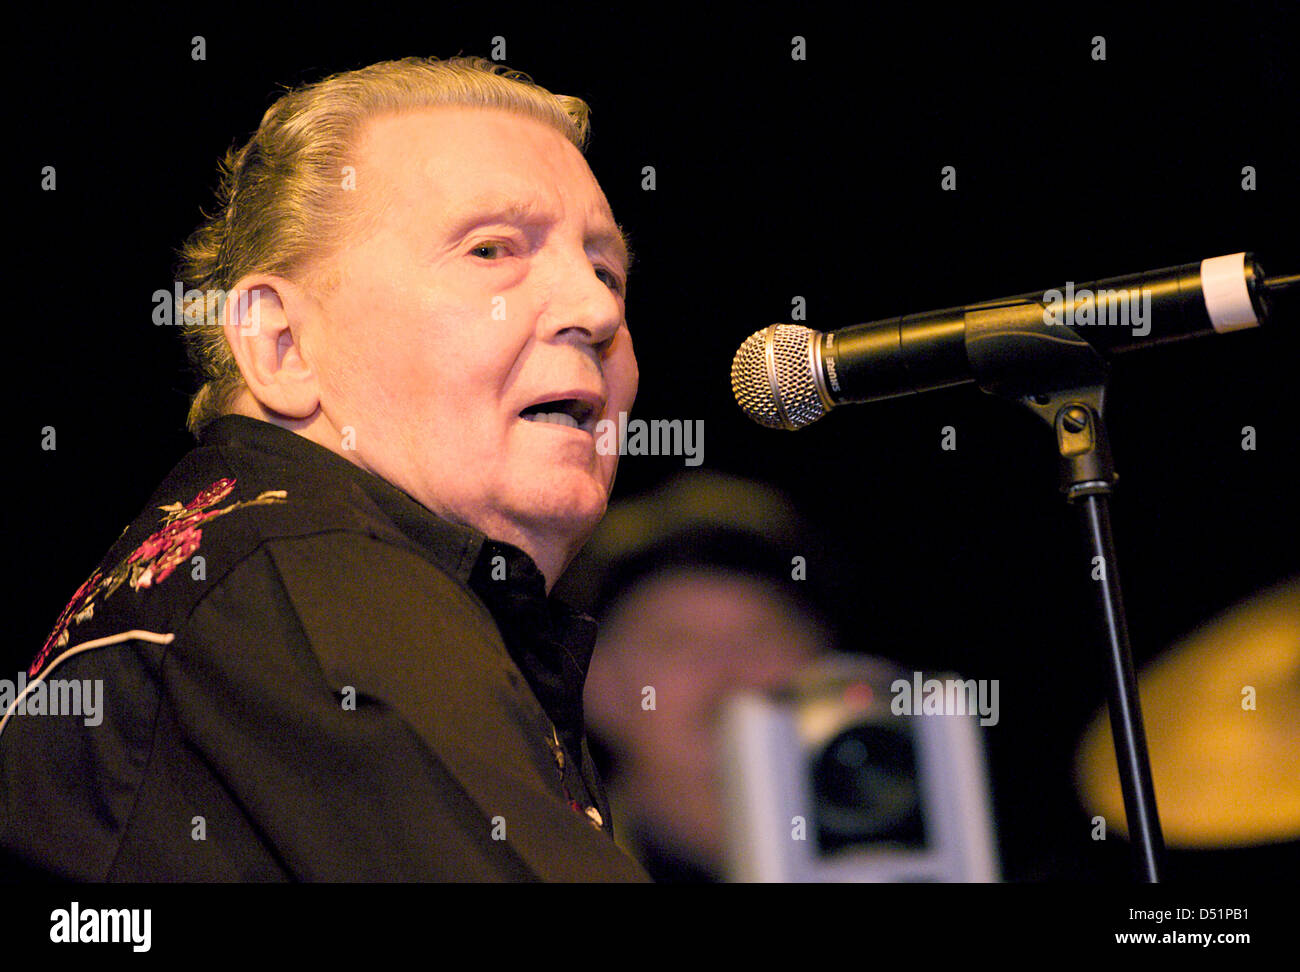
550,553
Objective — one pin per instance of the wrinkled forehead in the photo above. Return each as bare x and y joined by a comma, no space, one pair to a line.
450,163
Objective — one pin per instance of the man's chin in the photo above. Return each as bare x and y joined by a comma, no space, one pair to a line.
562,503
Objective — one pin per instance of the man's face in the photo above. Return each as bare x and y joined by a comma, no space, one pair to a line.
488,280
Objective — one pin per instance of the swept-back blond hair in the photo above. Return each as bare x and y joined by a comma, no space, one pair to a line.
278,200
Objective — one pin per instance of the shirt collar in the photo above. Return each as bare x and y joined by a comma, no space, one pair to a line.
452,546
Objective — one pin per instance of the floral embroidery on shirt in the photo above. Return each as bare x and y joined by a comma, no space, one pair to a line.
174,542
591,813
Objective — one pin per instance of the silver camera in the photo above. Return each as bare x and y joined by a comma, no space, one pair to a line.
836,779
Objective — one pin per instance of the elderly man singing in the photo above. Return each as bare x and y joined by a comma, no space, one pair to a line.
326,647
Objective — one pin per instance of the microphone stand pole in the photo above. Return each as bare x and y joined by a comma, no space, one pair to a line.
1069,395
1088,477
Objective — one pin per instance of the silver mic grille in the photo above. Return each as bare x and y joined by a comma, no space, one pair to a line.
774,377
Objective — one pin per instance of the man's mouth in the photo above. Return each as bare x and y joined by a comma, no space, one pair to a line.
571,412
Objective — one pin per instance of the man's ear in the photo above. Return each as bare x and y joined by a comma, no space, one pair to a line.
264,319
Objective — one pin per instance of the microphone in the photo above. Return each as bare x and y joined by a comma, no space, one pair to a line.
787,376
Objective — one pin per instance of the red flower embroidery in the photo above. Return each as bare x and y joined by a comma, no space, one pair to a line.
153,561
60,627
213,494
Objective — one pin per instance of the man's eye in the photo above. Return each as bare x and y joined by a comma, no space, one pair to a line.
611,279
488,251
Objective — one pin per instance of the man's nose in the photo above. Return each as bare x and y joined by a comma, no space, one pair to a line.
583,305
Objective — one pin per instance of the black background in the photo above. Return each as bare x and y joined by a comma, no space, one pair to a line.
775,178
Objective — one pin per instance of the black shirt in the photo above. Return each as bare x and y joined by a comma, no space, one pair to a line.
307,675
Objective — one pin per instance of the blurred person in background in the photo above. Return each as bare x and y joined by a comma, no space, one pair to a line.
705,587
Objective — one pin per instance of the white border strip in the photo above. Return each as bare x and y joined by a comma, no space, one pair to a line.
132,635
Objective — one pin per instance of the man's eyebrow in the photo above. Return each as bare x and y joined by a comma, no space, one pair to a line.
616,240
493,208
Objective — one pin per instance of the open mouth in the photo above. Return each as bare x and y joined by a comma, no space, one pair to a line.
570,412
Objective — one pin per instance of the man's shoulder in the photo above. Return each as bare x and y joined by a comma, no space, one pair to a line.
217,507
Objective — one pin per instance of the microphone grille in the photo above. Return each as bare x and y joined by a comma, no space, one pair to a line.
773,377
